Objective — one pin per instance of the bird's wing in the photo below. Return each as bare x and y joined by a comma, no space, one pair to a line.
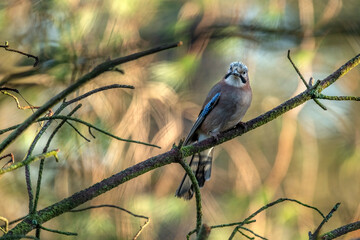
203,113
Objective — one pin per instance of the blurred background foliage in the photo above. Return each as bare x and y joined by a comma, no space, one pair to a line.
307,154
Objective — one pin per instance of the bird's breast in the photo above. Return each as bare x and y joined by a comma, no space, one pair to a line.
229,111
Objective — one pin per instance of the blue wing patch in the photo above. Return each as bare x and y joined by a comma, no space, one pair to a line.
210,105
206,110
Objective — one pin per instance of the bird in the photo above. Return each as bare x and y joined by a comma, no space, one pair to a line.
223,108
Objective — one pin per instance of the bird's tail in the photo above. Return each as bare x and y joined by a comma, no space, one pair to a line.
200,164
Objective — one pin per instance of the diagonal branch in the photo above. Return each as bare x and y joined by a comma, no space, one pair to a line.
341,231
174,154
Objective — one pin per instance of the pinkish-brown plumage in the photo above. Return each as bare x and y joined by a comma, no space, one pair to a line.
235,99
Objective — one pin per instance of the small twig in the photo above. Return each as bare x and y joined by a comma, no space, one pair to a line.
119,208
14,221
57,231
110,206
311,81
5,227
83,122
297,70
115,69
196,189
9,89
98,90
252,232
11,161
270,205
141,228
96,128
316,233
248,237
78,132
303,80
17,101
320,104
221,226
91,132
29,160
7,48
339,98
42,162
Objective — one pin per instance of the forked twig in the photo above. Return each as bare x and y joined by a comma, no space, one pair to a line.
303,80
119,208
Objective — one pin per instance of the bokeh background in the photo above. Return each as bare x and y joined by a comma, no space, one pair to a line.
307,154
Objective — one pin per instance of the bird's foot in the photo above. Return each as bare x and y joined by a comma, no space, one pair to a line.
242,125
215,135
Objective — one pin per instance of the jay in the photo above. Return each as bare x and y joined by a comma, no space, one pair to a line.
224,107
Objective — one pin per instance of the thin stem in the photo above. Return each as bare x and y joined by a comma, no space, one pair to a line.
28,161
297,70
339,98
98,90
270,205
42,162
58,232
7,48
316,233
195,184
96,128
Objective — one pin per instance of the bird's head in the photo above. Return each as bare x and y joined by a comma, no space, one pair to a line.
237,74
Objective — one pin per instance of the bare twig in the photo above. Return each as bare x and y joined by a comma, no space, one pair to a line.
303,80
122,209
252,232
11,161
219,226
17,101
77,131
29,160
317,231
196,187
7,48
96,128
339,98
297,70
5,227
42,162
98,90
57,231
270,205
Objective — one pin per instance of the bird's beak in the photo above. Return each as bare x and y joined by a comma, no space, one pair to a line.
236,73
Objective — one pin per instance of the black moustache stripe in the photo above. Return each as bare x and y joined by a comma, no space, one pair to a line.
242,79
